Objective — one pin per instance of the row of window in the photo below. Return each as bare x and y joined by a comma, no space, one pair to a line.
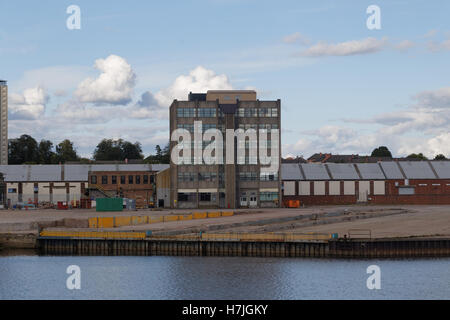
131,179
212,176
241,112
192,176
262,126
268,196
190,127
254,112
194,112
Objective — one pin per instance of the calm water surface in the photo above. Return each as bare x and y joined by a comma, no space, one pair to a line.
44,277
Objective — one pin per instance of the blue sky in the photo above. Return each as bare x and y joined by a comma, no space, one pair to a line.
344,88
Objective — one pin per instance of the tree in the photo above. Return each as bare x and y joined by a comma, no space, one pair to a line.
440,157
417,156
46,155
131,150
110,150
162,155
66,152
23,150
381,151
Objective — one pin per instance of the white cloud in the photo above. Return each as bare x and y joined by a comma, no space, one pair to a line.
353,47
435,46
199,80
435,98
296,37
148,107
56,78
28,105
114,85
404,45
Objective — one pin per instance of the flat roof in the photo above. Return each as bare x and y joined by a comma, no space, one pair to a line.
230,91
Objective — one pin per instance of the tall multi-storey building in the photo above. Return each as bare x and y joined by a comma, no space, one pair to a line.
3,122
242,183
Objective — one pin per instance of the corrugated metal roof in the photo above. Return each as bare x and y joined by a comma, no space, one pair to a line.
76,172
72,172
14,172
315,171
370,171
45,172
417,170
160,167
291,171
442,169
343,171
391,170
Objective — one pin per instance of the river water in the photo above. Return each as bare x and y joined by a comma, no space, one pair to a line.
156,277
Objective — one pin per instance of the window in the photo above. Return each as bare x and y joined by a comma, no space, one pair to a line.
206,112
186,112
186,176
138,179
207,126
188,127
114,179
145,179
250,112
152,179
207,176
267,176
104,179
130,179
122,179
205,196
268,112
94,179
248,176
268,196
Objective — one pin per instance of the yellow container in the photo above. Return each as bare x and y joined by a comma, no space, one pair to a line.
215,214
170,218
227,213
185,217
155,219
200,215
122,221
139,220
93,222
105,222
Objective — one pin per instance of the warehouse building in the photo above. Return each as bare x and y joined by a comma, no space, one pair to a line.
403,182
54,183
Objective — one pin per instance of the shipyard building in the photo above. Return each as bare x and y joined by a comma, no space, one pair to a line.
385,182
241,184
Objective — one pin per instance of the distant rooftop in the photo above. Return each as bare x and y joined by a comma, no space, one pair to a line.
3,82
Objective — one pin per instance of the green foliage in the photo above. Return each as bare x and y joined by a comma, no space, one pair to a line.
25,150
110,150
440,157
381,151
162,155
417,156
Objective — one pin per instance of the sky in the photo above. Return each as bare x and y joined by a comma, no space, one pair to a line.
344,88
